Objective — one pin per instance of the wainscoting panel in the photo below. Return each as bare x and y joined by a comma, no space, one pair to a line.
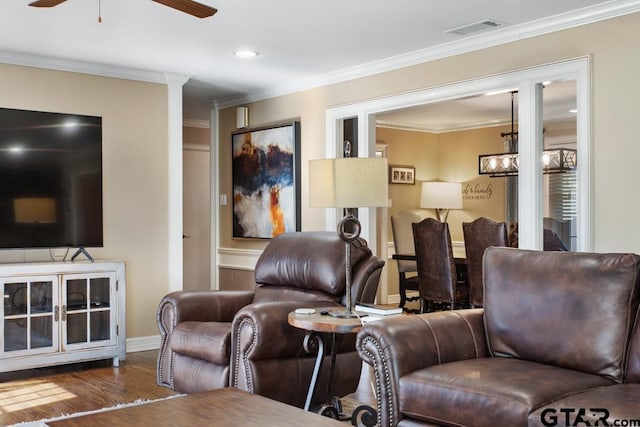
236,280
235,268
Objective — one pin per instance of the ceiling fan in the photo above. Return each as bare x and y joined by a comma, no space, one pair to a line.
191,7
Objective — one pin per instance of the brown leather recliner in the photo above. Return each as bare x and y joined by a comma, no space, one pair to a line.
205,333
558,334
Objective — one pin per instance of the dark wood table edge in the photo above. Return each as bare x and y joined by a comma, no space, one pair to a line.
216,406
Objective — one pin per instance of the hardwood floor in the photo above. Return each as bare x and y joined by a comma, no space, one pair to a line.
48,392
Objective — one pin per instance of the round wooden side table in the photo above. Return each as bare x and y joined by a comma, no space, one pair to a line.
320,327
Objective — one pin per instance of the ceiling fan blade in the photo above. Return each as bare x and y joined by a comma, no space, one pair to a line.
191,7
46,3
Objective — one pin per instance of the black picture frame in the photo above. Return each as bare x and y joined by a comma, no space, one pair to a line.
266,180
401,174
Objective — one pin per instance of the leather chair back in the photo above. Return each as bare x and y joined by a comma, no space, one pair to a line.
562,229
312,265
402,229
572,310
434,257
478,236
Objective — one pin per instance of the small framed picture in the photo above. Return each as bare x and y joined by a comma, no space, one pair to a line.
402,174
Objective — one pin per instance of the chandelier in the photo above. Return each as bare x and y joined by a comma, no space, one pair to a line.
557,160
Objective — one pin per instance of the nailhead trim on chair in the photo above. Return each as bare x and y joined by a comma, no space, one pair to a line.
387,378
164,343
245,362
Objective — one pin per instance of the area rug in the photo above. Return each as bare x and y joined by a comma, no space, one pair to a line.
43,422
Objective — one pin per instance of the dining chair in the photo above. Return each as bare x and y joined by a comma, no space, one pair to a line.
403,244
559,235
551,240
437,276
479,234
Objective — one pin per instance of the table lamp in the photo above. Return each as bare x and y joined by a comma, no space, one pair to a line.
353,182
441,196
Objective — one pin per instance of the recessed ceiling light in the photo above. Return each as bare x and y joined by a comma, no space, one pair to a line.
246,53
573,111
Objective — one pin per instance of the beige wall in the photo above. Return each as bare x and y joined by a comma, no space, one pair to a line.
135,178
450,156
196,135
611,45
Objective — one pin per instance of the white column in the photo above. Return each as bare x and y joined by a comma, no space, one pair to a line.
530,170
215,197
174,95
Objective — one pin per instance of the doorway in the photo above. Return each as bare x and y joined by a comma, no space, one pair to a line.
528,83
196,217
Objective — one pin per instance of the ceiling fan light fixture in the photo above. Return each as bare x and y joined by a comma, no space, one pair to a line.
245,53
189,7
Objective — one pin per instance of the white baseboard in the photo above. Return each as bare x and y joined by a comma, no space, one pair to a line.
143,344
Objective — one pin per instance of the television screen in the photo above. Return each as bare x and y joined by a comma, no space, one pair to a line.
50,180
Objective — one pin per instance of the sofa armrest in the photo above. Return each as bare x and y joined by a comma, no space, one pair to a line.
400,345
202,306
261,331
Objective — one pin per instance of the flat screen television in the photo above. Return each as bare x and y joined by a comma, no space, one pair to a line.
50,180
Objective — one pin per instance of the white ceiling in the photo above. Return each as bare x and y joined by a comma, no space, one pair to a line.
493,109
301,43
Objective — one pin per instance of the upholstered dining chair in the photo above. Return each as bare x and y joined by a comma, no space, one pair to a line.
479,234
551,240
437,277
561,228
401,227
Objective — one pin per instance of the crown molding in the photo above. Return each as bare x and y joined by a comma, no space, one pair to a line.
445,129
196,123
83,67
584,16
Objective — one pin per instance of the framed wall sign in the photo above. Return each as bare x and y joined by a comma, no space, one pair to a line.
402,174
266,181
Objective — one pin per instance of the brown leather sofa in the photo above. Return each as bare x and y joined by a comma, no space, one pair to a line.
241,338
557,343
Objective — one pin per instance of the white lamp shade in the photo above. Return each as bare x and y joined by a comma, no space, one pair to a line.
353,182
441,195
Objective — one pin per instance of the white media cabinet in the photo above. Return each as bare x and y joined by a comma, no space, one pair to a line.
61,312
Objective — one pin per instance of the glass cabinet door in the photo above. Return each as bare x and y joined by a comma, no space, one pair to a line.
89,310
29,315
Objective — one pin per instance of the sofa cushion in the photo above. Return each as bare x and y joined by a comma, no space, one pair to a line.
615,405
309,260
210,341
487,392
572,310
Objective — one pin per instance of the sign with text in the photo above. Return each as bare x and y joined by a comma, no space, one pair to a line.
477,191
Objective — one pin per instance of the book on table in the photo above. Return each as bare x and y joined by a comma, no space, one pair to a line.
381,310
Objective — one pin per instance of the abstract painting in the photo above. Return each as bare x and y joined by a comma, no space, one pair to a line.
266,177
